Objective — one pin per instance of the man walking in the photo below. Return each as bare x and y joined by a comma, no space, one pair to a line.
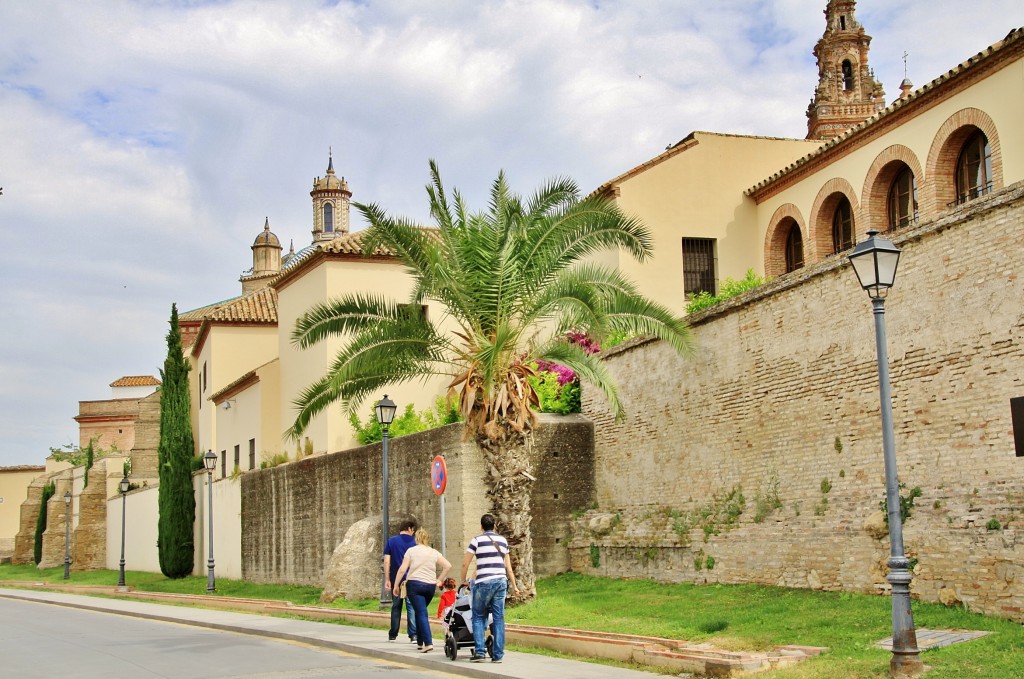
394,554
493,575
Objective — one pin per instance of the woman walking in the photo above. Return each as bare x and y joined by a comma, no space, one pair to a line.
421,564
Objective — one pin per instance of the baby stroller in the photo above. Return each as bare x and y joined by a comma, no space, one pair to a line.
458,625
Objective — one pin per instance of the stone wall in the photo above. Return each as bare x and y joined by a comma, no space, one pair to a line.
24,541
145,452
784,387
90,532
294,515
60,527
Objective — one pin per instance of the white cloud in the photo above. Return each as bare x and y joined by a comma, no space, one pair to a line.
143,143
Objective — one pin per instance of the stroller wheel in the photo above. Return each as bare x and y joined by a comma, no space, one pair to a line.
451,649
490,646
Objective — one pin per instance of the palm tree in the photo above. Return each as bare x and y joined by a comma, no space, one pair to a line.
513,280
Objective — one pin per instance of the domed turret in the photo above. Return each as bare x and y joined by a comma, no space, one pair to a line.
331,197
266,259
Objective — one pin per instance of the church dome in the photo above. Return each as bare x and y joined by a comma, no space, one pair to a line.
267,237
330,181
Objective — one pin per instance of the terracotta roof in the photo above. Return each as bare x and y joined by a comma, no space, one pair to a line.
136,381
258,306
197,315
1014,36
24,468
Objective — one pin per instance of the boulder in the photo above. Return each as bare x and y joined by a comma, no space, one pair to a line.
948,597
875,525
354,571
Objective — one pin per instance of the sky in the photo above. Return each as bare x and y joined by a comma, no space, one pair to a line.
143,143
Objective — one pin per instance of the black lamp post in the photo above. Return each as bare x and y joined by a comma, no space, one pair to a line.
210,462
67,534
385,410
123,486
874,261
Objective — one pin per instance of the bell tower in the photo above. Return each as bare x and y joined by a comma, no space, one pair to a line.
331,198
847,91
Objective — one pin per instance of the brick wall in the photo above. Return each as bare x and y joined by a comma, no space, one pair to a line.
294,515
784,385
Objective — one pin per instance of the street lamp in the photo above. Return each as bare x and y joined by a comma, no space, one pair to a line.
874,261
67,534
124,490
385,410
210,462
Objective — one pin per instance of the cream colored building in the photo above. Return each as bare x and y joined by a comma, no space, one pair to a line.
13,491
246,373
720,204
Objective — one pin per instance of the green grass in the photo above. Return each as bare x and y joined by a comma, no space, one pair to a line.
731,617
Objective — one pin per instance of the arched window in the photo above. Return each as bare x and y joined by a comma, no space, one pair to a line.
974,168
794,249
842,226
328,217
847,75
903,199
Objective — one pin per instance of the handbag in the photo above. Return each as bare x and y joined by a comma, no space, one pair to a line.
401,589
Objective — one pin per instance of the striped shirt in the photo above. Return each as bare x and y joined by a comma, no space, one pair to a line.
490,550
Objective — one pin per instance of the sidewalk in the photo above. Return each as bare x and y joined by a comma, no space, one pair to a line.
357,640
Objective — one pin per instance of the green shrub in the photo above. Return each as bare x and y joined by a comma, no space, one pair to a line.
993,524
37,548
445,411
712,626
595,556
906,502
767,499
275,460
727,289
554,398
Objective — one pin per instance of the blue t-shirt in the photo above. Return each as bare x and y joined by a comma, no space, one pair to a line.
396,548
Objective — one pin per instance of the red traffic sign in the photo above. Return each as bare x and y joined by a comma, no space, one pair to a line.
438,475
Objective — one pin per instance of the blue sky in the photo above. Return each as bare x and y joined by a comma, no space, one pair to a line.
142,144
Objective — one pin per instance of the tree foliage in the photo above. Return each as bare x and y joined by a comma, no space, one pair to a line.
513,279
176,501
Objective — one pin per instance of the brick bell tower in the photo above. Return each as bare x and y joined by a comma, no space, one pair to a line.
847,91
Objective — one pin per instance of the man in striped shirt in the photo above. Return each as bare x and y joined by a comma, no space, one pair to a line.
493,575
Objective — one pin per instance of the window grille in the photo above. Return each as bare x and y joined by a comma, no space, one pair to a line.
698,265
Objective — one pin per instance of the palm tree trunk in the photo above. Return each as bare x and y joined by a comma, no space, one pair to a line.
509,483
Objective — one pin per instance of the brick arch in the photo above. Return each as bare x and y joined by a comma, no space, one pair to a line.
820,241
949,139
882,172
785,218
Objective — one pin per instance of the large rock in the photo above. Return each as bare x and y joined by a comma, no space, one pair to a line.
875,525
354,571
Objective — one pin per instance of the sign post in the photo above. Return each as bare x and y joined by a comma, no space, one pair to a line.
439,481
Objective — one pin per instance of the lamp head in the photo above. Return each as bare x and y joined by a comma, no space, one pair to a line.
124,485
210,461
874,261
67,497
385,409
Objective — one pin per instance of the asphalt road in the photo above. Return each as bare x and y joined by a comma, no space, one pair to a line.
46,641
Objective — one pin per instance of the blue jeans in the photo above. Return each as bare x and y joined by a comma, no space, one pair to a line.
489,597
396,619
420,594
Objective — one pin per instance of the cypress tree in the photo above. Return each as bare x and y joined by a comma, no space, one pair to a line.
176,500
37,548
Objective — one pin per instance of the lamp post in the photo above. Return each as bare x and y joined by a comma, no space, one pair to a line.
874,261
210,462
385,410
123,486
67,534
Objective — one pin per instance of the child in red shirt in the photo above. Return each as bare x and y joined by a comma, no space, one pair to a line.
447,596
